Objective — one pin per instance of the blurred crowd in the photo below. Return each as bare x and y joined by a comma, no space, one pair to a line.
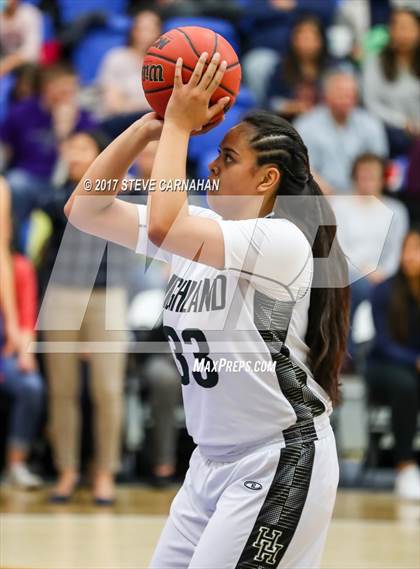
345,72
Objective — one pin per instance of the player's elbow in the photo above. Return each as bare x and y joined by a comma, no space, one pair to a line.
76,216
67,209
156,233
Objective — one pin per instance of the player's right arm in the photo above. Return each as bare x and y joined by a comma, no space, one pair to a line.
99,212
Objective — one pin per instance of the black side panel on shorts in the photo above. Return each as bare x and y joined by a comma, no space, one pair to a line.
280,514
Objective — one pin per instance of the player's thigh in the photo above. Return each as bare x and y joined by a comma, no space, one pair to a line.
308,542
237,510
282,525
173,551
186,523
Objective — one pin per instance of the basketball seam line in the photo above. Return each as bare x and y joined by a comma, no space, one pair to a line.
169,60
215,44
189,41
171,87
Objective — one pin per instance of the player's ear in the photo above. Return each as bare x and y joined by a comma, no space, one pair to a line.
269,178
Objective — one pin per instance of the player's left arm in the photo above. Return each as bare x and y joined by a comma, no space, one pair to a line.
170,225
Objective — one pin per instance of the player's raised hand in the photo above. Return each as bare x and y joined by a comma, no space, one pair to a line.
188,106
152,125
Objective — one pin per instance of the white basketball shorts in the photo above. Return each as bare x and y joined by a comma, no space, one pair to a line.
269,509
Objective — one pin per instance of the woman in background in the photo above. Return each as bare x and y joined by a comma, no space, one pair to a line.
295,84
19,376
391,81
393,371
82,274
120,73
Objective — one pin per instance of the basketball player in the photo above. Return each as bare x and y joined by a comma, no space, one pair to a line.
262,481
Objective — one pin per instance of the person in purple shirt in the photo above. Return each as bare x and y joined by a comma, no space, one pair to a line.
393,368
31,134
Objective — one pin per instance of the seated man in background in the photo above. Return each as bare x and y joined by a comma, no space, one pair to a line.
338,131
19,377
393,370
32,132
362,221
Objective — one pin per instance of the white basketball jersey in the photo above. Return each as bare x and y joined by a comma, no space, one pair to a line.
237,336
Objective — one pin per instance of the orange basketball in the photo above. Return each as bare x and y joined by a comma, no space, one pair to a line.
188,42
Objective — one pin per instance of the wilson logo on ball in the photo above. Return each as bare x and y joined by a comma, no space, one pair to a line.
161,42
153,73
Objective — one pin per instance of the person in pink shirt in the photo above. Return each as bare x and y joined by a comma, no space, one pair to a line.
19,376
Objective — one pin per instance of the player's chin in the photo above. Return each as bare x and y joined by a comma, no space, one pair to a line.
212,200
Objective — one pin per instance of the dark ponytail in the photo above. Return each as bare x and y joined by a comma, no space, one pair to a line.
276,142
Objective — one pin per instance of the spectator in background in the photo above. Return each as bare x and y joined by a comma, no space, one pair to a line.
338,131
265,27
413,173
19,377
159,372
362,224
120,74
32,132
393,371
295,85
20,35
82,276
391,82
271,19
26,83
360,17
9,320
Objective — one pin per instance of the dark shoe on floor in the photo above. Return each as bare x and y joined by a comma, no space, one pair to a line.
103,501
162,482
60,498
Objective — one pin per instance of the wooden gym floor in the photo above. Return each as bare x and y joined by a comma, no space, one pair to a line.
369,531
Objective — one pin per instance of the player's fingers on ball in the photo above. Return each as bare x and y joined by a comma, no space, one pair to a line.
198,70
178,73
218,107
217,78
210,126
211,70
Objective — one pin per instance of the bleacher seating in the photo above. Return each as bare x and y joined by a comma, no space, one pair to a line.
70,10
219,26
92,48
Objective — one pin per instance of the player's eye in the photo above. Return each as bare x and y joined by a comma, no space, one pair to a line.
227,158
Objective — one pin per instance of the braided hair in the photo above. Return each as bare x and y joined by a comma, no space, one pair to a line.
276,142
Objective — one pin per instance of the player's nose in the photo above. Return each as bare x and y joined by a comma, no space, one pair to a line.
214,168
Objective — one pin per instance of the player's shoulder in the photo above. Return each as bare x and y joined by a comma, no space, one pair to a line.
284,230
276,240
203,212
